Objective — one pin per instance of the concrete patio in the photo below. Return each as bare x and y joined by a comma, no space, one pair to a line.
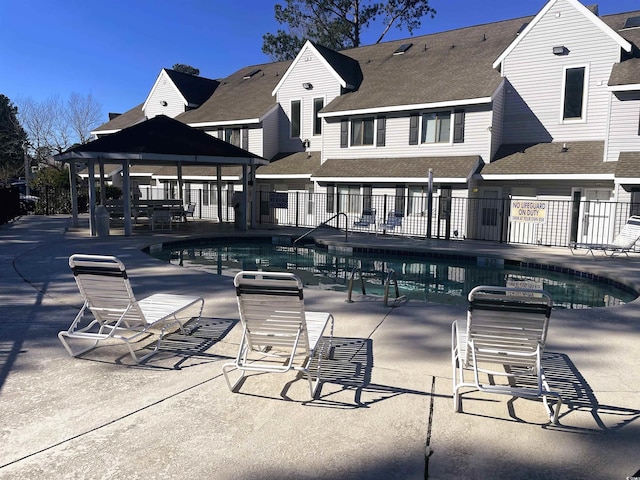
385,411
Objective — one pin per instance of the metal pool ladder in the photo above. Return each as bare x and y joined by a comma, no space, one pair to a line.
391,277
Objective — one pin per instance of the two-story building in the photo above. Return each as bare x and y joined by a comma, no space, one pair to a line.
524,130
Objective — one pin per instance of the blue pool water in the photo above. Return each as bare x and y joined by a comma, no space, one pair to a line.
438,280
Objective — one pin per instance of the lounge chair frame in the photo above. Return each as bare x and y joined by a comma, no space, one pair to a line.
116,314
277,329
505,327
622,243
367,220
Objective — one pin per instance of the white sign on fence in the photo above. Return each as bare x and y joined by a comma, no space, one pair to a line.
529,211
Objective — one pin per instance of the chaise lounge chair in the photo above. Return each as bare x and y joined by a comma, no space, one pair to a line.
393,223
505,327
367,220
277,331
622,243
104,284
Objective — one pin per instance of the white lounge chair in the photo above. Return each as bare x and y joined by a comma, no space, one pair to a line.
622,243
116,313
505,327
278,334
367,220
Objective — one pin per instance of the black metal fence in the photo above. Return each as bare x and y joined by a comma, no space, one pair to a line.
509,220
10,202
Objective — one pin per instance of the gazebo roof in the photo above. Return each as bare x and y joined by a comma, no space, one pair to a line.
162,140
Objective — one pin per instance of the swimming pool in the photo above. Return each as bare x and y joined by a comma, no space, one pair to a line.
419,276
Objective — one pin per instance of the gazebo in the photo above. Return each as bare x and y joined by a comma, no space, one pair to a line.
158,141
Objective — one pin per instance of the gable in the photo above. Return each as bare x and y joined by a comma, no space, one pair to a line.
310,52
164,98
581,9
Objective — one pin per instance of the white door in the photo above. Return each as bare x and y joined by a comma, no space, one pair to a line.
597,215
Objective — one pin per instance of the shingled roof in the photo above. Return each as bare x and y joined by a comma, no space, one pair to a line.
195,89
240,96
628,165
417,168
124,120
567,158
626,72
291,164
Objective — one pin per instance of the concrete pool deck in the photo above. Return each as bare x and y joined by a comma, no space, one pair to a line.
384,412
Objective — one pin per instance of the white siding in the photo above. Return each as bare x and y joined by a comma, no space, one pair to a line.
270,126
310,69
477,139
497,127
164,91
624,124
533,100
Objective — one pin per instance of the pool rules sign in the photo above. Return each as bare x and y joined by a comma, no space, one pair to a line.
529,211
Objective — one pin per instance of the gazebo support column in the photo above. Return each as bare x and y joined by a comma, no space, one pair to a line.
126,197
91,169
74,194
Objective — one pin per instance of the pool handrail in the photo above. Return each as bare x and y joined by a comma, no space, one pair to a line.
326,222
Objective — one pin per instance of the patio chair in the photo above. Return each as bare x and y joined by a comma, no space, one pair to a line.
622,243
366,220
393,223
189,210
278,334
109,299
161,217
505,327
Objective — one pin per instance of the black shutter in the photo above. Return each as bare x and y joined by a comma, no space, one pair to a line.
413,129
381,137
458,126
344,133
245,138
220,133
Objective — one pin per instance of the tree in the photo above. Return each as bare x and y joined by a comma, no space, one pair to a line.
82,115
338,24
12,141
182,68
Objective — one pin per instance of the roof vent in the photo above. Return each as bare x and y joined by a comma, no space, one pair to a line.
402,48
251,73
632,22
522,27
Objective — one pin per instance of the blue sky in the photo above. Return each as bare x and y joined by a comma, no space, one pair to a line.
115,49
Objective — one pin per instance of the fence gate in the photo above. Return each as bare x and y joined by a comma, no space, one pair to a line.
490,215
596,214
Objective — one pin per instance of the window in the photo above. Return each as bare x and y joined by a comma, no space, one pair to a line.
318,103
349,199
362,131
205,193
573,98
295,118
417,201
436,127
232,136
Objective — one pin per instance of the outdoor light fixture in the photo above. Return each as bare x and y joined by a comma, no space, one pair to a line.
163,103
307,86
560,50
